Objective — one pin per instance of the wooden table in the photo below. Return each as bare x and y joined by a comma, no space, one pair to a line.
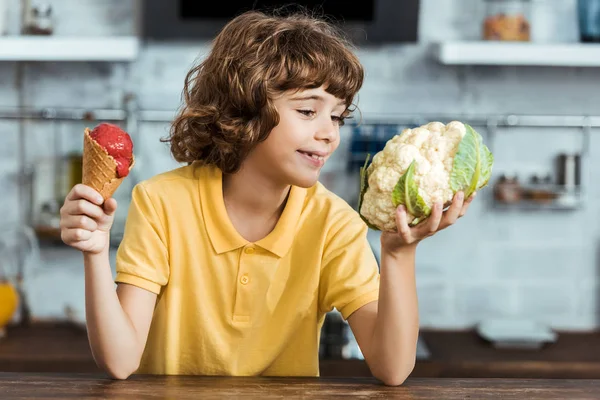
90,386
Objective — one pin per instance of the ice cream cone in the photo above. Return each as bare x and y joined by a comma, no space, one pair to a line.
99,168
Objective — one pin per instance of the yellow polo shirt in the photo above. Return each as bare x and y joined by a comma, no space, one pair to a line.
230,307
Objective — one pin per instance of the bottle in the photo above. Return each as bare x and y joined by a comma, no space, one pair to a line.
3,17
568,171
589,20
40,21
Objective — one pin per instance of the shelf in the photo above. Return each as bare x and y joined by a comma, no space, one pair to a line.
559,204
539,197
518,53
44,232
534,206
57,48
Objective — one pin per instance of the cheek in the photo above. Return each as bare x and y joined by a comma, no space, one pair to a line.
335,144
285,138
272,146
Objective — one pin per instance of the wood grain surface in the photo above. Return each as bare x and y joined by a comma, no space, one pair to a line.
95,386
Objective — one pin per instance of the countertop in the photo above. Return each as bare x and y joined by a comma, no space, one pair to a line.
90,386
63,348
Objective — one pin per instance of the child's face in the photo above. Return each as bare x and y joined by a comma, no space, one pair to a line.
307,134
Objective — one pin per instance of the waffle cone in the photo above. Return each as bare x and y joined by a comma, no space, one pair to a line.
99,168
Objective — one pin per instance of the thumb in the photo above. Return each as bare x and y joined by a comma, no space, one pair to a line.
110,206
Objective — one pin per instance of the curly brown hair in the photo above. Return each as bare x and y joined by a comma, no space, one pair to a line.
228,107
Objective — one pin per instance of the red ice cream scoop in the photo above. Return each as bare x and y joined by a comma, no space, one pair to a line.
117,143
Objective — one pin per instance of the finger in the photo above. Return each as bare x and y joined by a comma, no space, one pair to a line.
79,222
402,224
467,203
454,211
82,245
82,207
110,206
75,235
81,191
433,223
471,198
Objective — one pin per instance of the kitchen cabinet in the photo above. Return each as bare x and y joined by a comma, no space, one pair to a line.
63,348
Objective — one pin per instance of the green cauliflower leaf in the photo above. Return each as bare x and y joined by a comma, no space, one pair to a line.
406,192
472,166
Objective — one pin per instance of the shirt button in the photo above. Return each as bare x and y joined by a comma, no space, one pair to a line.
249,250
244,280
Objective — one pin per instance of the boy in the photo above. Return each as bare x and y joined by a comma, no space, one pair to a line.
228,265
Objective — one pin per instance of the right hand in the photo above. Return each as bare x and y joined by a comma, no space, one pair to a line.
86,219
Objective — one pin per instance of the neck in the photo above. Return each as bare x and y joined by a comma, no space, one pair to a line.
254,195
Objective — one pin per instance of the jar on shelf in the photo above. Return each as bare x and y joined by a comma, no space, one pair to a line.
589,20
40,20
507,20
508,190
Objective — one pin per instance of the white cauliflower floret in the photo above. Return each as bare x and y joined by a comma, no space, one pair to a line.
432,147
377,207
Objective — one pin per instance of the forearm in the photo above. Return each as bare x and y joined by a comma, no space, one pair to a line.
396,328
111,334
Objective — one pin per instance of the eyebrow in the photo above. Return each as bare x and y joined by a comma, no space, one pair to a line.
315,97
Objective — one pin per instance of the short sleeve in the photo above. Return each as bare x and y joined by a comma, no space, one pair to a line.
350,274
142,257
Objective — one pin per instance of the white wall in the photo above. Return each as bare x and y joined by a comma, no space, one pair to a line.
539,265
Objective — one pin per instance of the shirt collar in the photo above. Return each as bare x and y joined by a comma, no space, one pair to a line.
223,235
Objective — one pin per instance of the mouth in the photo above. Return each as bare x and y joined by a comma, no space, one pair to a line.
315,158
315,155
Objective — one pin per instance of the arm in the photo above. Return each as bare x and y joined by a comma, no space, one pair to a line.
387,330
118,322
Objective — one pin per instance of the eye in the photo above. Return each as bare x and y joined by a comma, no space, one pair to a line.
307,113
338,120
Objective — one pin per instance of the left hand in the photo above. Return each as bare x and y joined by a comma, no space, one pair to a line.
409,237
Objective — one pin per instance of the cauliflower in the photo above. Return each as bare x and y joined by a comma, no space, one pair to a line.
420,167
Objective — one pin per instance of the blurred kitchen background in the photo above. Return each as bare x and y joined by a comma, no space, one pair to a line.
514,282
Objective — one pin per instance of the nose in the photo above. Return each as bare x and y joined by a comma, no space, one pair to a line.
327,130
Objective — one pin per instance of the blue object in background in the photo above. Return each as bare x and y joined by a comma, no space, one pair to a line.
589,20
369,139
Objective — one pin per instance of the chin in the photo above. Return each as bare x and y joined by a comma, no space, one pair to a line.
305,181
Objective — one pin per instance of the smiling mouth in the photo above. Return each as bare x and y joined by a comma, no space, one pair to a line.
312,155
